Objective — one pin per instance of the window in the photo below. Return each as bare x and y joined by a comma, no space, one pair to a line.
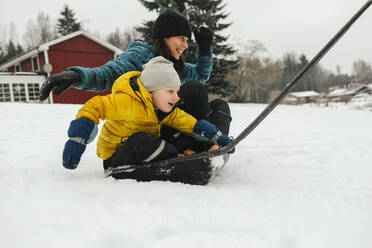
5,93
19,92
35,63
17,67
33,92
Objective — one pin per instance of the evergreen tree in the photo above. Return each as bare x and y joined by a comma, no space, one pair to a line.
288,73
12,49
2,55
9,51
201,13
19,49
315,79
67,24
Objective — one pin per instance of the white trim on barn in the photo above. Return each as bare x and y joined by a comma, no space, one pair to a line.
86,34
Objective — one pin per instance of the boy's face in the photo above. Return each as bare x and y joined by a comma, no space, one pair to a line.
165,99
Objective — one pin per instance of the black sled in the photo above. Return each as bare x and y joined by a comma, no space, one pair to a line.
196,171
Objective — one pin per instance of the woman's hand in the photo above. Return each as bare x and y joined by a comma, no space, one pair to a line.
204,38
62,81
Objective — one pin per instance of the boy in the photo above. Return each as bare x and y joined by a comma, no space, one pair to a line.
140,104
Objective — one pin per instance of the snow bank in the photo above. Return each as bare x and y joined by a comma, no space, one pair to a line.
302,179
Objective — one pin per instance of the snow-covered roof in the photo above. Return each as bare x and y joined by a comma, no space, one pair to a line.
301,94
337,92
45,47
347,91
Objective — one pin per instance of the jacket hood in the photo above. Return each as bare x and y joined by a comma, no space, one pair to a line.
122,85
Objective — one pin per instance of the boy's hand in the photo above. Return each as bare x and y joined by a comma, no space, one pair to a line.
224,140
72,154
205,131
81,132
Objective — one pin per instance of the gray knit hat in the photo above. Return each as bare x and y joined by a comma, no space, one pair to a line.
158,74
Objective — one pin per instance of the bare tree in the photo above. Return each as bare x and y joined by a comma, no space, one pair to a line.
362,71
13,34
254,73
122,39
39,32
9,45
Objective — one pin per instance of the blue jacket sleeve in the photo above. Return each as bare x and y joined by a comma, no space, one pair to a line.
139,53
102,78
201,71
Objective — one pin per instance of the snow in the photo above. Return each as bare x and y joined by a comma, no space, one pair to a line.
302,179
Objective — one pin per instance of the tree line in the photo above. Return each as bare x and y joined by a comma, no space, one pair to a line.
260,78
241,72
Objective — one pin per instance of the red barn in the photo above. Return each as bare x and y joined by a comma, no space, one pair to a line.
77,49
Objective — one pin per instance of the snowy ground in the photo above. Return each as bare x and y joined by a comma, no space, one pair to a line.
302,179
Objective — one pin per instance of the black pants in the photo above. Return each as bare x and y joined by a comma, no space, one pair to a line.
194,101
142,147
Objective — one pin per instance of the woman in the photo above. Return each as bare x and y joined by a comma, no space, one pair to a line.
170,34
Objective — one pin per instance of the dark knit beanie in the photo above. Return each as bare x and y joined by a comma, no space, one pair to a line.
171,23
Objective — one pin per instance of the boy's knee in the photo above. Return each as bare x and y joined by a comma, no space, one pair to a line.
147,147
221,115
219,104
142,147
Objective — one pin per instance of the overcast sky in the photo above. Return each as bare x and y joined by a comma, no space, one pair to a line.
301,26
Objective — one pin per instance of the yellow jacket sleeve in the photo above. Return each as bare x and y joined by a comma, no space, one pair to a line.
181,121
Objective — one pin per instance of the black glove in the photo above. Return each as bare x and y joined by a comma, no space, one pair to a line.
62,81
203,37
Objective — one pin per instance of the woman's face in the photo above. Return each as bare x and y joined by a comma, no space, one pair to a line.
165,99
177,45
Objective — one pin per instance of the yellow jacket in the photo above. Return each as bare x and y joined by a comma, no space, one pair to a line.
126,112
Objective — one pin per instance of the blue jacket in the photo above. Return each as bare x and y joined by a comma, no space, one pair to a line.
138,53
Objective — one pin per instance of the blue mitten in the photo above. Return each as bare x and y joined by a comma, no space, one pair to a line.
81,132
205,131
